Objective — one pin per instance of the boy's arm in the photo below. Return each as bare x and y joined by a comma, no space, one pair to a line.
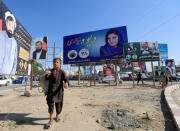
66,85
65,80
47,76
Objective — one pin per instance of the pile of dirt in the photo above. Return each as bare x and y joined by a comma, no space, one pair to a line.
116,118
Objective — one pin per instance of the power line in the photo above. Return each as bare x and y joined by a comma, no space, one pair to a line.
139,20
157,27
152,9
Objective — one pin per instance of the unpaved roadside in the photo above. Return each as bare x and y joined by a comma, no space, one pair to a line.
99,108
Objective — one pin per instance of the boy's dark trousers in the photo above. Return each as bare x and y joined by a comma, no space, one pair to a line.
58,106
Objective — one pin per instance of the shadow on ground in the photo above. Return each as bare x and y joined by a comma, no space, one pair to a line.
169,121
21,118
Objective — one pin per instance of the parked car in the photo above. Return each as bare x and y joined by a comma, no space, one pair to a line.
123,76
3,81
19,80
73,77
175,78
9,80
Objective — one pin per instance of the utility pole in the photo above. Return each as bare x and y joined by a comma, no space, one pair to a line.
54,51
31,83
79,74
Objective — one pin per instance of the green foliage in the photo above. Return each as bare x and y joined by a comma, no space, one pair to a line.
37,68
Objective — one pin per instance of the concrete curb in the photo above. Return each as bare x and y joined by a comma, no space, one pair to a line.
174,108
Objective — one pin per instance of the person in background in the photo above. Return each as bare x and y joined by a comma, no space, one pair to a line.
167,76
159,74
162,79
139,78
55,91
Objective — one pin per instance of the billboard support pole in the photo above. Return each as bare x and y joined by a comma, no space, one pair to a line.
116,74
133,73
45,64
31,84
159,63
94,75
159,67
90,75
152,73
79,74
54,51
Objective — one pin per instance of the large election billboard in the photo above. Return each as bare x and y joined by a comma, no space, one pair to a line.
170,65
96,46
149,51
132,51
163,52
38,48
141,51
108,71
15,44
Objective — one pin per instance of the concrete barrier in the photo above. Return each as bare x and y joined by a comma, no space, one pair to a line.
174,108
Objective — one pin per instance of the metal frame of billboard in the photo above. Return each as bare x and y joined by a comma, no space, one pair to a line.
99,63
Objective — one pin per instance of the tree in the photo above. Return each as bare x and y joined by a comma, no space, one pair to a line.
37,68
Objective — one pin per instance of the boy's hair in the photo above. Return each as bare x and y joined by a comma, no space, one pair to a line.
56,59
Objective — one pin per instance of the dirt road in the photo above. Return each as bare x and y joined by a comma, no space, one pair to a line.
99,108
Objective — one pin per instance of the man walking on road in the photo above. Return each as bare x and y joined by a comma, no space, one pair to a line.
139,78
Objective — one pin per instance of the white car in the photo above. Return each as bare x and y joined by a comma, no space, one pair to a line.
3,81
9,80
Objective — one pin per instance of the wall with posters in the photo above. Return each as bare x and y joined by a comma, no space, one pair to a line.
14,44
96,46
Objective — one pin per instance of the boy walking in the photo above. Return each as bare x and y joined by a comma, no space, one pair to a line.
55,90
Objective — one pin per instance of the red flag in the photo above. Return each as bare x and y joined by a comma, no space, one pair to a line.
0,24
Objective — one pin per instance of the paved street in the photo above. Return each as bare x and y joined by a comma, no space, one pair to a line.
74,82
12,86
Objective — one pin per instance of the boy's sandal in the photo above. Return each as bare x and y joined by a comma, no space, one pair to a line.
57,119
49,125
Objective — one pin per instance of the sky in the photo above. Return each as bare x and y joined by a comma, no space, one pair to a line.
146,20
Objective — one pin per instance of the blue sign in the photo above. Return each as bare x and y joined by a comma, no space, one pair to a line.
97,46
163,51
87,71
162,47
